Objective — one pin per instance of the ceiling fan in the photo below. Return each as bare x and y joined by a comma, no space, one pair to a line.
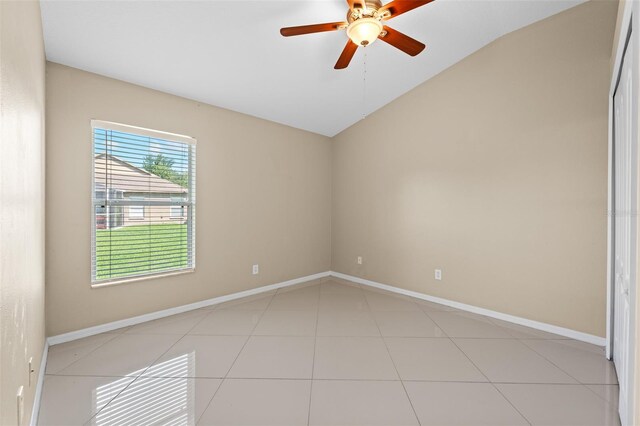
365,24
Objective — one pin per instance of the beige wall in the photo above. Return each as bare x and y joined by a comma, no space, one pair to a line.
512,206
263,196
494,171
22,103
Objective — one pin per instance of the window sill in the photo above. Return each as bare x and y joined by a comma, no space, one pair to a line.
141,278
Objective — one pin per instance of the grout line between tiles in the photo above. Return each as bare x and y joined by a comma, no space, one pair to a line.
115,336
553,363
135,378
141,375
609,403
396,367
313,362
492,384
336,380
511,403
226,376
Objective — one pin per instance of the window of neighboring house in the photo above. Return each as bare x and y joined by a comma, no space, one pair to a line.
176,211
136,212
159,168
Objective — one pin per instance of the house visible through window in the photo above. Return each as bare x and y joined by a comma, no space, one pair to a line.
144,203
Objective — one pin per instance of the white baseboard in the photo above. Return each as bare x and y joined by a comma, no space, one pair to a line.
102,328
549,328
35,411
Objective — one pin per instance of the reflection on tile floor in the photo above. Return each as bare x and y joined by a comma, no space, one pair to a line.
328,353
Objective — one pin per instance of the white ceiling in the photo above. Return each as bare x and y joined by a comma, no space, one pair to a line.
231,54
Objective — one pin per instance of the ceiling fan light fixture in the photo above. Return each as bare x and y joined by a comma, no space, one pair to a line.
364,31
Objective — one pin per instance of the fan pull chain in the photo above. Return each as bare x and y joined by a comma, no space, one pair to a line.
364,86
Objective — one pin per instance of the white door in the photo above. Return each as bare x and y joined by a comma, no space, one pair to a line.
625,229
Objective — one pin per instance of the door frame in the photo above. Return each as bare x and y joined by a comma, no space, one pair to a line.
629,20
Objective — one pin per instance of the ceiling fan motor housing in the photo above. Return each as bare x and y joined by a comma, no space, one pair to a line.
364,9
365,22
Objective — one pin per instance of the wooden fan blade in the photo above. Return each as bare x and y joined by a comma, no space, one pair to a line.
401,41
398,7
309,29
347,54
355,3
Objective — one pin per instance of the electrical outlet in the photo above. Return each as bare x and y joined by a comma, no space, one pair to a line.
359,260
256,269
31,371
20,405
438,274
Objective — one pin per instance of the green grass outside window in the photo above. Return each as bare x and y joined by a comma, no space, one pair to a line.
140,249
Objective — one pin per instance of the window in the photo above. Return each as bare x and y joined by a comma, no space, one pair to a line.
143,203
177,211
136,212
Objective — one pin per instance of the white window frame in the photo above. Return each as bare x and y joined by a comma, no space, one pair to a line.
189,203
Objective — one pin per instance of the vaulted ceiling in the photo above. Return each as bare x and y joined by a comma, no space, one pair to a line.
231,54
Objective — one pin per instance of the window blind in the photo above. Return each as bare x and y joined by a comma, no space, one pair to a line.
143,203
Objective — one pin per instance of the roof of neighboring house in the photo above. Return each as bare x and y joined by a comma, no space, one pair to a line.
126,177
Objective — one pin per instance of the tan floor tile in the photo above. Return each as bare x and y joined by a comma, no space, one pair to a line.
287,323
305,299
343,302
259,402
159,401
511,361
461,325
431,359
198,356
355,370
63,355
609,393
125,355
73,400
583,364
560,405
275,357
406,324
228,322
338,402
353,358
471,404
347,323
382,302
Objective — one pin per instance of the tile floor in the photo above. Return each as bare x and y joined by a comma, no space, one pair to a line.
328,353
